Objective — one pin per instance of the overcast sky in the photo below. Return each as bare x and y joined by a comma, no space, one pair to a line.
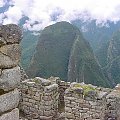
46,12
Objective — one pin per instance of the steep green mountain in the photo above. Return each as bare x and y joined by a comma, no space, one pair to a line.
98,36
53,50
83,65
62,51
113,58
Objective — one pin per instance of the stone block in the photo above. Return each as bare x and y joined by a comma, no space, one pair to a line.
46,118
11,33
10,78
6,61
51,88
70,116
13,115
11,53
9,101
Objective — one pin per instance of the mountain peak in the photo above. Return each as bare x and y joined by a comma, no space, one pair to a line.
62,51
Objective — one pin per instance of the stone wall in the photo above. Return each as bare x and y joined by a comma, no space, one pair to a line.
10,76
53,99
39,99
62,86
87,102
113,105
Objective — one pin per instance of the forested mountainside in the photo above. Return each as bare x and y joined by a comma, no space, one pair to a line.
28,45
62,51
113,58
98,36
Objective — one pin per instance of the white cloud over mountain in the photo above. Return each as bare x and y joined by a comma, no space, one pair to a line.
41,13
1,3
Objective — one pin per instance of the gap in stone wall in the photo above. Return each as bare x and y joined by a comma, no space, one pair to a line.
2,92
61,107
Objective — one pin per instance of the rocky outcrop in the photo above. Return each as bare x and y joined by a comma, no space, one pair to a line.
10,73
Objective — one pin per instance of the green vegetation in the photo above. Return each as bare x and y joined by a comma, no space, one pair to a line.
86,88
36,81
63,52
63,38
52,51
28,45
113,57
98,37
87,69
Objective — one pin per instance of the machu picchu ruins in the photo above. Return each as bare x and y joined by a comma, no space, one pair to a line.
23,98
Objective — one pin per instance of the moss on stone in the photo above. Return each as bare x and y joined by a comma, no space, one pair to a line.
36,81
86,88
77,85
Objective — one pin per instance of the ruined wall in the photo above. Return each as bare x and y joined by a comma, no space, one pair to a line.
62,87
53,99
87,102
10,76
113,104
39,99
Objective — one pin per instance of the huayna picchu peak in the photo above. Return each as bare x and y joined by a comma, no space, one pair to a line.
62,51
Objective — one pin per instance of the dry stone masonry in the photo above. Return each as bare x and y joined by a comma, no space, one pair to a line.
39,99
42,99
113,104
10,76
87,102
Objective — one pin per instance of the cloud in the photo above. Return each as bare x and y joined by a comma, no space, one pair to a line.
13,15
42,13
2,3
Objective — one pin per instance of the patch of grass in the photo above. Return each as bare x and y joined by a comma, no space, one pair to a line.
36,81
86,88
